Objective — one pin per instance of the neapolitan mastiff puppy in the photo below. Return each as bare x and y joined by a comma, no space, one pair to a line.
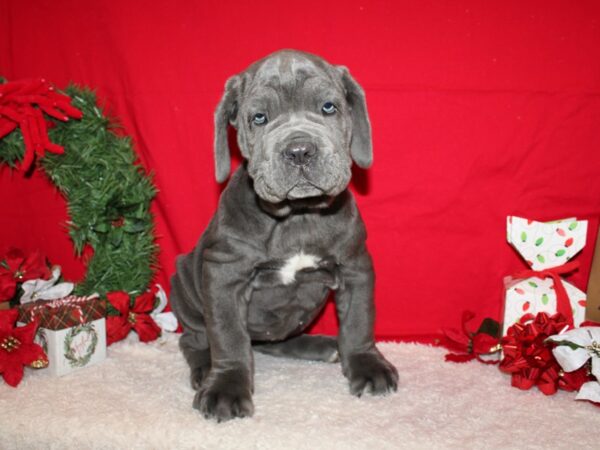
286,232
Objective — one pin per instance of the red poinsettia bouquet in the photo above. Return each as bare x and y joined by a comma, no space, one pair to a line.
15,268
131,313
17,348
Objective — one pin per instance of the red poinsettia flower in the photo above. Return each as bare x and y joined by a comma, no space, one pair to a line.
17,348
136,317
572,381
469,345
17,268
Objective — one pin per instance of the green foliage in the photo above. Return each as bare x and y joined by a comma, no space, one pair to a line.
489,326
108,197
12,148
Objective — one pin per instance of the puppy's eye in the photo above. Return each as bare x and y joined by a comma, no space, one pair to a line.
259,119
329,108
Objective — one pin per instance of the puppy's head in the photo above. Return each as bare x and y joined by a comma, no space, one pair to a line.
300,123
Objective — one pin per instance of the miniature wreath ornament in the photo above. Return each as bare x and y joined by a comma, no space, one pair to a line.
79,353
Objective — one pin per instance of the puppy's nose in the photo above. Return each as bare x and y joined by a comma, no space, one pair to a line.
300,153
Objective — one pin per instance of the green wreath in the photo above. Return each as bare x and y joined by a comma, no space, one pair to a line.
81,361
108,194
41,339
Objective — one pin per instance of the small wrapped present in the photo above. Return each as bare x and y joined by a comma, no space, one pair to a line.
72,331
548,249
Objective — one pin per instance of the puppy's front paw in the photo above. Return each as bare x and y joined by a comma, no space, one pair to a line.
197,377
224,396
372,372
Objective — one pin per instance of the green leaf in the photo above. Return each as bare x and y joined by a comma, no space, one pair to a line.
572,226
539,241
523,237
545,299
532,284
541,258
102,227
134,226
111,310
570,344
560,252
117,237
489,326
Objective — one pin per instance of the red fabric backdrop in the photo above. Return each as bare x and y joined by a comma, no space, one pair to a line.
479,110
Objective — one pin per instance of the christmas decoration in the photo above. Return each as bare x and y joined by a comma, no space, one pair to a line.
17,348
73,330
469,345
528,358
133,314
16,268
548,249
108,194
73,353
21,105
526,351
574,349
539,309
64,312
165,320
41,289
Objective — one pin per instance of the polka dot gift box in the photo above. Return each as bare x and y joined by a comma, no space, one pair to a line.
547,248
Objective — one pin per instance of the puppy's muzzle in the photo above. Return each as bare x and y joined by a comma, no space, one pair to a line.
300,152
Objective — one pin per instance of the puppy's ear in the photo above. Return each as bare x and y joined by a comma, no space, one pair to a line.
225,114
361,146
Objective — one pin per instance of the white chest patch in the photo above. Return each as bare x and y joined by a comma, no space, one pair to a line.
296,263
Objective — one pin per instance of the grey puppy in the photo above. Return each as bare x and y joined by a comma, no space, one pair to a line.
286,232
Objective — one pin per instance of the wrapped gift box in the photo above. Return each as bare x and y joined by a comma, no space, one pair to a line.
72,331
545,247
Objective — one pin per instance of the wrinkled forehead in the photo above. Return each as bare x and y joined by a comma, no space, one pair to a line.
293,78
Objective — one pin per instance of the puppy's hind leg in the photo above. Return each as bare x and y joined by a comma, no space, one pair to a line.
305,346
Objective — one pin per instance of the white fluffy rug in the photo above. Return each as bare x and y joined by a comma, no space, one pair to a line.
140,398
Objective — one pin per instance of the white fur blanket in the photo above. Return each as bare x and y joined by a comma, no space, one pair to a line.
140,397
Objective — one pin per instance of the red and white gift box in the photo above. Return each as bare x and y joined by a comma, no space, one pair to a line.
548,249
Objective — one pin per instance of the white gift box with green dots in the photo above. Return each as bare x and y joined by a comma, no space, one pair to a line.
543,246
